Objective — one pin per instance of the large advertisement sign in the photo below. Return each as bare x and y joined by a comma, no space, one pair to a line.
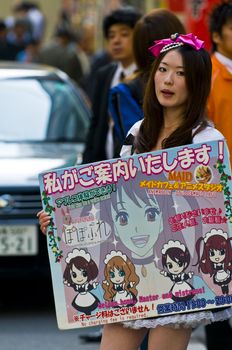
142,236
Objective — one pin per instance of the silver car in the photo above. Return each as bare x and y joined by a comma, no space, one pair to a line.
44,122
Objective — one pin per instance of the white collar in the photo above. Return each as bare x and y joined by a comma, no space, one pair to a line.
227,62
128,70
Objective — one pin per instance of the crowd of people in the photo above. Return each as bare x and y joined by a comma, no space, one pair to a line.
22,39
181,95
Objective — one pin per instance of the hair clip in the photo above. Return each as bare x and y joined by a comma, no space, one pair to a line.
174,36
175,41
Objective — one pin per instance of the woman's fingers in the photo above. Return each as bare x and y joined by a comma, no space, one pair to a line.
43,225
44,220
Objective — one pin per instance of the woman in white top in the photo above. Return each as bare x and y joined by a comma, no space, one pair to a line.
174,115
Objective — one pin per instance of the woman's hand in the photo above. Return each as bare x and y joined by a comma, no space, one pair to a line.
44,220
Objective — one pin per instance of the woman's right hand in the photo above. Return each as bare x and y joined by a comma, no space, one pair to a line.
44,220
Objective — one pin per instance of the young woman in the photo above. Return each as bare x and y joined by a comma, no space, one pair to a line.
174,115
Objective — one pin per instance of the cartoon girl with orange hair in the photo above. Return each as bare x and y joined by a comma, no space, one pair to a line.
120,279
216,258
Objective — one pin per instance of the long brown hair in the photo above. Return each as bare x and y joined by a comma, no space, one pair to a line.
130,276
216,242
197,67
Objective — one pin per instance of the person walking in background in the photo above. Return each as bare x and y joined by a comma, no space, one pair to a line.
219,110
61,53
220,101
31,11
126,99
118,29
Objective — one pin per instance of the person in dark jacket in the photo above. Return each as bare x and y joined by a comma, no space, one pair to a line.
118,29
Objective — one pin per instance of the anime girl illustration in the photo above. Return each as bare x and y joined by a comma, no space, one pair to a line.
80,273
120,279
176,259
136,219
216,257
129,208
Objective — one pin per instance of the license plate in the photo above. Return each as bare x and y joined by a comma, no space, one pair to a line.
18,240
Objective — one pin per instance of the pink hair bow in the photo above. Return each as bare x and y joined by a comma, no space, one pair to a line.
174,41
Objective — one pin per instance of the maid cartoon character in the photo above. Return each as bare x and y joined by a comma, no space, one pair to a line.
176,259
216,257
80,273
120,279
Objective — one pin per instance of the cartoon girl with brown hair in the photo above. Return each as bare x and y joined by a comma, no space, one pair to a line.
216,257
80,274
176,259
120,279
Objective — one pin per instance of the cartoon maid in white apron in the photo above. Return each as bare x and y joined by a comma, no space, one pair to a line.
80,273
216,258
120,279
176,259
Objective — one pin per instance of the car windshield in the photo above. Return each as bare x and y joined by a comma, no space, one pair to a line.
43,109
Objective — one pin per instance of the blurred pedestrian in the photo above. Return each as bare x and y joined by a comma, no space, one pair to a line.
30,52
118,29
19,35
32,11
220,102
219,110
61,53
8,51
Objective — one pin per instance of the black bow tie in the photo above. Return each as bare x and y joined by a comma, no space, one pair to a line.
122,76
